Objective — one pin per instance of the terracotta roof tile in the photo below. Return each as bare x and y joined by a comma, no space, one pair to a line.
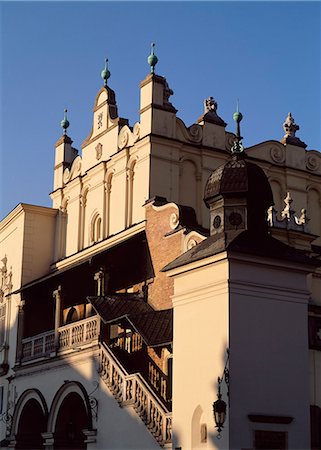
155,327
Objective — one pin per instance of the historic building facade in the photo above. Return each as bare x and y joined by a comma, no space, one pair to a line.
174,268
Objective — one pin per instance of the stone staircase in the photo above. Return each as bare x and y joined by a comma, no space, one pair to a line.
131,390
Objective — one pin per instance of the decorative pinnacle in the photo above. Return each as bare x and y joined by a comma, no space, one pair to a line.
105,73
290,127
237,117
152,59
65,123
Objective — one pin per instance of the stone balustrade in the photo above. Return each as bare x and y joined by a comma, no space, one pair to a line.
76,334
38,346
132,389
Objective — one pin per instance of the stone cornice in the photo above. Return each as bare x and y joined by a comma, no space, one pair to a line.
25,207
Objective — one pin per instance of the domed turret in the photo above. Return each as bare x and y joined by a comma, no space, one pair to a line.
238,194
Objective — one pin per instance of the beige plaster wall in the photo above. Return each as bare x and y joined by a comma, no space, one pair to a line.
201,337
27,240
268,356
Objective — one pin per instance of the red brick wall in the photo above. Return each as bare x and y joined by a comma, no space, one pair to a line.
163,249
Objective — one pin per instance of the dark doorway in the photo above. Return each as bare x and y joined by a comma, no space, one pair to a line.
72,419
32,423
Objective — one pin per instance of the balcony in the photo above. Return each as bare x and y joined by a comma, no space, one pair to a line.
81,333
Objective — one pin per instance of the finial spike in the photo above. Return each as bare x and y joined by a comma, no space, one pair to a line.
105,73
237,116
65,123
152,59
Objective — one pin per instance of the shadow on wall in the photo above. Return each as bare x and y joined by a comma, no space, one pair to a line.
67,406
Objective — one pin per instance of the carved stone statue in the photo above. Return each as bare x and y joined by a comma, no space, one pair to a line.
210,113
210,105
290,127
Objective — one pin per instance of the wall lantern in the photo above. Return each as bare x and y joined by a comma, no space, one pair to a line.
219,410
219,407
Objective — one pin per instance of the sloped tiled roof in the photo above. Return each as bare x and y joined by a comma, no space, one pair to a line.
155,327
246,242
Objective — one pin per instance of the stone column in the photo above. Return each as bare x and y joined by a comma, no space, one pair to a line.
100,278
48,440
20,330
57,297
90,438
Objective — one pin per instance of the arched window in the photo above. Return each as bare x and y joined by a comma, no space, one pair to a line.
29,421
96,231
72,316
71,420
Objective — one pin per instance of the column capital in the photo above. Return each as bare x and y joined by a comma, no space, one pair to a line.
56,293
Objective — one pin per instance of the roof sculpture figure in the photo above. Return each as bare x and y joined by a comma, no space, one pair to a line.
290,128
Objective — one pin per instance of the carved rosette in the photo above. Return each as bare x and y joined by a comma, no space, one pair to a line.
99,150
66,176
136,131
123,137
127,137
191,243
74,170
313,162
173,221
195,133
277,155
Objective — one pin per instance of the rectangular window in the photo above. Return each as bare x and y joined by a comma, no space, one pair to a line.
270,440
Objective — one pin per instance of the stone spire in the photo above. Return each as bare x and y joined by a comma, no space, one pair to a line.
237,146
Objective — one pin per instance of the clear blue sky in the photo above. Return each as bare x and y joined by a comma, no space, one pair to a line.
267,54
